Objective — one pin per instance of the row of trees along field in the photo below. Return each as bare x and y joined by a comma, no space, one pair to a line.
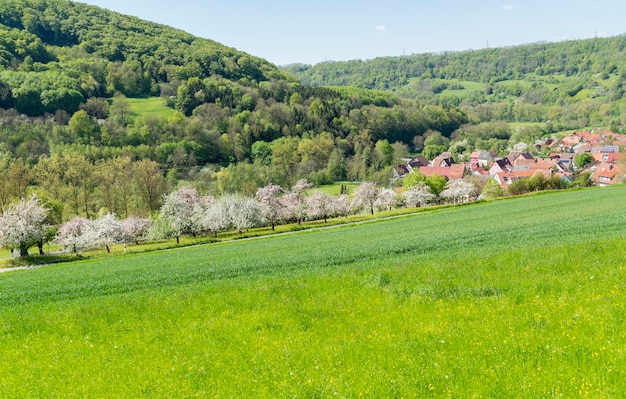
186,212
572,84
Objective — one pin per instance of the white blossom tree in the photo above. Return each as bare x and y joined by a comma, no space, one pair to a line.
418,195
459,191
321,205
71,234
295,201
209,216
365,197
342,205
135,228
105,232
386,199
269,197
243,213
176,216
22,225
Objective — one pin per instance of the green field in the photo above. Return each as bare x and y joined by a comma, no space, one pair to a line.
516,298
150,106
335,189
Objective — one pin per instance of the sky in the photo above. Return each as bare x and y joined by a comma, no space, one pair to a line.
291,31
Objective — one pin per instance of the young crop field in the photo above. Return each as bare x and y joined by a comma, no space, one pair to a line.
516,298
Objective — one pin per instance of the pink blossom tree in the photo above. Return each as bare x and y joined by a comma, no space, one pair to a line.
342,205
295,201
71,234
22,225
269,198
135,228
321,205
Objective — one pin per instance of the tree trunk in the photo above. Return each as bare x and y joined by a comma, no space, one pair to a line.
108,249
40,246
177,240
23,250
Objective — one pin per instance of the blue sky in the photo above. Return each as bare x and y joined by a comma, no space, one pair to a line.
285,32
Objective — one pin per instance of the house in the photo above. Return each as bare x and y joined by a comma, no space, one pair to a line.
570,141
482,158
399,172
478,170
500,166
453,172
607,174
610,149
444,159
534,164
418,162
514,155
504,179
583,147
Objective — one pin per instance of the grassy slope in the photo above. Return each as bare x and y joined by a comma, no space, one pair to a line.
150,106
521,298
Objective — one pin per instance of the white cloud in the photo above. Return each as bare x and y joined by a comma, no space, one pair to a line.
507,7
381,27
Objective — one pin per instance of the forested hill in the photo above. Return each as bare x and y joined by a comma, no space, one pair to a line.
54,54
83,88
490,65
567,85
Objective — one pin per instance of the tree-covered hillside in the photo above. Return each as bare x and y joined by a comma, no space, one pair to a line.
573,84
235,123
55,54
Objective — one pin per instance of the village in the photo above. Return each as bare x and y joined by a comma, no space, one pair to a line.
603,164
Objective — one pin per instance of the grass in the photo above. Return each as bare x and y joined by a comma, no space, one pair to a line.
150,105
515,298
335,189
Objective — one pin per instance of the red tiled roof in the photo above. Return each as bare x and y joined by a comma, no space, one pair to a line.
605,173
453,172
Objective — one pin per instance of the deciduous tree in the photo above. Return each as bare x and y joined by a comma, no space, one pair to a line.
22,225
269,198
365,197
418,195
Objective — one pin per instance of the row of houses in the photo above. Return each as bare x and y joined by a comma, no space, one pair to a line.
604,170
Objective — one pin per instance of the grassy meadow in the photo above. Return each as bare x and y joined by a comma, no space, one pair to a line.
522,297
150,106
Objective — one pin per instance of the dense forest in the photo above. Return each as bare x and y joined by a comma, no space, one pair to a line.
572,84
68,70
